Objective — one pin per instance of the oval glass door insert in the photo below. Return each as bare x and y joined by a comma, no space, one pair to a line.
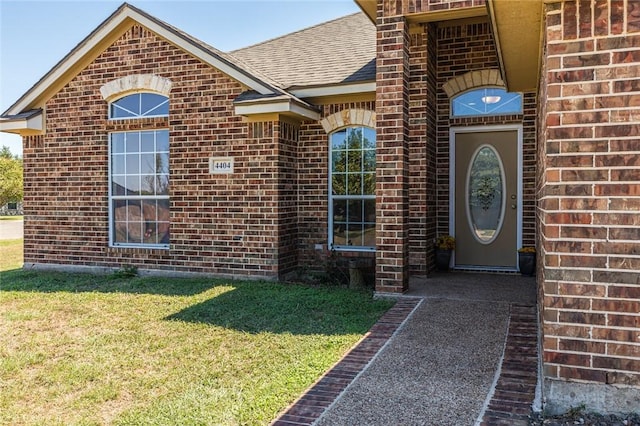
485,194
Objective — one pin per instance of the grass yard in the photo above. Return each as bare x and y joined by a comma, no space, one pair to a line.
10,255
84,349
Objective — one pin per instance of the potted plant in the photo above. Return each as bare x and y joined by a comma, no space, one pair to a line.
445,244
527,260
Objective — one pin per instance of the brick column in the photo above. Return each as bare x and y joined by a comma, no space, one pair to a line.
392,145
589,197
286,135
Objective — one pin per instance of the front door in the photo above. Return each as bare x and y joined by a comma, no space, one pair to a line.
486,206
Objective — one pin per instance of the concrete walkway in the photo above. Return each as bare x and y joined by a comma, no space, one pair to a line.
11,229
464,354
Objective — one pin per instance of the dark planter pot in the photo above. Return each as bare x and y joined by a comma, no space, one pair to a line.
443,258
527,263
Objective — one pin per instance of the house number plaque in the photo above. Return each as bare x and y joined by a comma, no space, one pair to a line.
221,165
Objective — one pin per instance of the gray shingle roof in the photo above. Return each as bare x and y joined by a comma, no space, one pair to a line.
338,51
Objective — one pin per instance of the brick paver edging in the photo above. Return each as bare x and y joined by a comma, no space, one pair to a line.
312,404
514,392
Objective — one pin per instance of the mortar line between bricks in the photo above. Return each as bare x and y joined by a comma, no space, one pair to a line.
403,307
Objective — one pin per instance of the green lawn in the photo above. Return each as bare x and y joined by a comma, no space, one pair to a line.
10,255
85,349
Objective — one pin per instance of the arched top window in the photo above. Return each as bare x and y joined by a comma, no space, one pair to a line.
486,101
140,105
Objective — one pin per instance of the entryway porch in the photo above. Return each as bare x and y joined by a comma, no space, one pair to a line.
508,287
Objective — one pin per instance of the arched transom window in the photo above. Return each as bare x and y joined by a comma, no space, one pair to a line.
486,101
140,105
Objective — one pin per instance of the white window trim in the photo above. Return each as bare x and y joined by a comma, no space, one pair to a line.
112,197
342,248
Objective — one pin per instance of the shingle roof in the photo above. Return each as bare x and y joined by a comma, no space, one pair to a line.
232,60
338,51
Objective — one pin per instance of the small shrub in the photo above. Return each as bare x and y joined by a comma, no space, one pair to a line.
446,242
527,250
127,271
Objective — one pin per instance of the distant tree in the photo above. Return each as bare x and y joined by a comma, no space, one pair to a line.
5,152
10,177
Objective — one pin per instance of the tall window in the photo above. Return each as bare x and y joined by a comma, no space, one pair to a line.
352,203
486,101
139,181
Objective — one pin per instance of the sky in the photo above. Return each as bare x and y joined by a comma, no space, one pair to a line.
36,35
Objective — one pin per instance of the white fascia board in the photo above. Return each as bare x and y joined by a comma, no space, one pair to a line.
344,89
103,32
281,107
34,123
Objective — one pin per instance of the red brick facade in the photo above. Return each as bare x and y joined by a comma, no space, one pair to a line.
580,180
265,220
589,192
435,54
580,162
240,224
392,158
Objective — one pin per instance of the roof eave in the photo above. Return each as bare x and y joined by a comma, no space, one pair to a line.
518,36
278,105
369,7
25,125
333,90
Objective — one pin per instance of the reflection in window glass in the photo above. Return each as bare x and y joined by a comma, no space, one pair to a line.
485,195
140,105
487,101
353,184
139,177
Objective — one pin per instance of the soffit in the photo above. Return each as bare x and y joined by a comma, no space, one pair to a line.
369,7
517,30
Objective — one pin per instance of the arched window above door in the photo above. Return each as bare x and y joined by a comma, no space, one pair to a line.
486,101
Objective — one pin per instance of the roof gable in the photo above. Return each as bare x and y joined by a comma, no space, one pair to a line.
115,25
336,52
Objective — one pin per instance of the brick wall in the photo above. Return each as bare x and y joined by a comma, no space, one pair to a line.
392,153
422,107
286,156
240,224
434,54
404,7
313,187
589,195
